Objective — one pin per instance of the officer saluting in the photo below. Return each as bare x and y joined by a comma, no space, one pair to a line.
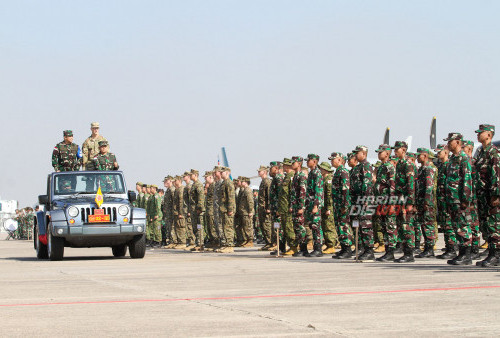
66,155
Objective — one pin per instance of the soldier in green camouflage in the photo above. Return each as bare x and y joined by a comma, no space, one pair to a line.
179,214
138,187
277,177
298,205
288,234
167,210
66,154
264,208
190,235
197,211
237,224
227,209
246,211
341,198
468,147
383,189
155,216
361,189
425,201
487,184
314,203
327,212
459,197
217,222
213,240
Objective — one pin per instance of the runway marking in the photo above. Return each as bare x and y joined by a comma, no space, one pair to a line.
256,297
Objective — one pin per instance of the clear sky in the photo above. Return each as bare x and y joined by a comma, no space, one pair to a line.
171,82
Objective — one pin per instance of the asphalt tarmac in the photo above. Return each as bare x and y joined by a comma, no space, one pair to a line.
245,294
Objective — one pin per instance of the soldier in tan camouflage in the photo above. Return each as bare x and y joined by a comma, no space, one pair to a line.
179,214
264,208
211,232
90,147
246,211
227,209
217,222
190,237
197,211
168,216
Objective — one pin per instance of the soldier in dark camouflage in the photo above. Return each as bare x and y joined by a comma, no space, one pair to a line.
298,205
314,203
277,177
488,192
468,148
66,155
327,212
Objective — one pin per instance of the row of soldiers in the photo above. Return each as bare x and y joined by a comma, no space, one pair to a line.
25,219
450,189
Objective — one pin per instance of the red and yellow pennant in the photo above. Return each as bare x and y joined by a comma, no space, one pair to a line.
99,198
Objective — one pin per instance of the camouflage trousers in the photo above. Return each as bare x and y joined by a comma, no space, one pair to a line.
474,227
198,228
210,227
424,220
489,218
246,225
265,225
378,232
406,231
389,229
180,230
341,219
461,221
227,225
314,223
366,227
189,230
299,229
287,234
153,230
328,227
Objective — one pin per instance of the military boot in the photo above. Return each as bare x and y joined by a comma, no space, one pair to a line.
388,257
463,258
449,253
407,256
428,252
493,258
416,250
317,252
282,248
291,251
341,252
475,255
329,250
380,248
399,248
302,252
367,255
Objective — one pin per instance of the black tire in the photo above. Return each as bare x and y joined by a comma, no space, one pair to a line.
137,247
119,250
55,247
41,249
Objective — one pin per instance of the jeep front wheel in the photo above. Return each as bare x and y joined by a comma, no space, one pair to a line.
119,250
137,247
55,247
41,249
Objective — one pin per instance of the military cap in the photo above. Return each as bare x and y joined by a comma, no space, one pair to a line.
148,185
154,186
468,143
383,147
225,169
326,166
166,178
287,161
263,168
94,125
335,155
454,136
208,173
486,127
68,133
194,172
297,159
178,178
312,157
244,179
144,185
440,147
423,151
103,143
412,155
217,168
400,144
274,164
360,148
138,183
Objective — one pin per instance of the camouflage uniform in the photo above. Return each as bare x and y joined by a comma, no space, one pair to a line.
90,149
443,216
179,210
276,183
245,209
197,204
314,198
384,187
284,209
361,188
405,188
217,220
298,202
264,205
168,215
327,212
187,212
227,206
65,157
209,214
155,216
425,201
342,203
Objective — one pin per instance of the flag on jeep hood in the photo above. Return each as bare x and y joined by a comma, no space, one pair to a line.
98,197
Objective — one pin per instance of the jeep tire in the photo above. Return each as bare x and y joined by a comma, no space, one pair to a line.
119,250
137,247
55,247
41,249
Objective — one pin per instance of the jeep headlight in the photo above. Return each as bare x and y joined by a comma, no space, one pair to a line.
123,210
73,211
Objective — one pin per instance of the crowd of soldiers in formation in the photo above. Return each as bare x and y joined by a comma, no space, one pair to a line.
396,206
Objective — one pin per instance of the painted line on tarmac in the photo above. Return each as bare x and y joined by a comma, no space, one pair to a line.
256,297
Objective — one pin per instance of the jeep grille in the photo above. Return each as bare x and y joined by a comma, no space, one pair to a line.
85,212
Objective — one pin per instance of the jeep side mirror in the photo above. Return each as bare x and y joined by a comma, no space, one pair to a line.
43,199
132,196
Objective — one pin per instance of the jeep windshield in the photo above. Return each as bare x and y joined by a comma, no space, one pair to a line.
81,183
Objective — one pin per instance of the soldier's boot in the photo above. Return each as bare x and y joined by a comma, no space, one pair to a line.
449,253
388,257
416,250
475,255
163,243
291,251
316,252
341,252
407,256
329,250
345,253
367,255
282,248
427,253
493,259
302,252
485,245
399,248
463,257
248,244
380,248
265,247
